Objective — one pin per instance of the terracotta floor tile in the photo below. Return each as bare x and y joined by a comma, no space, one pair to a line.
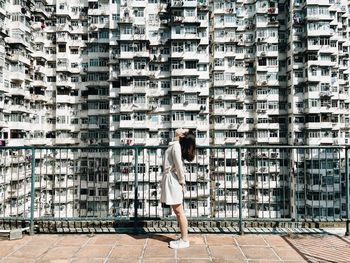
94,251
91,260
250,240
61,252
264,261
76,240
191,260
53,261
323,253
196,239
126,252
22,241
159,260
276,241
18,260
159,252
116,260
220,240
31,251
195,251
124,239
103,239
288,253
7,249
160,240
220,260
226,252
252,252
46,236
308,241
45,239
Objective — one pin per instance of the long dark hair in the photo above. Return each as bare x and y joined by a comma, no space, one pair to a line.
188,146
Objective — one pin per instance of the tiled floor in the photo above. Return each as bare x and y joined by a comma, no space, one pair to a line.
154,248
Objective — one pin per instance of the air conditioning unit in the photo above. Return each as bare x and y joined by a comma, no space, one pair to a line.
274,155
178,3
297,141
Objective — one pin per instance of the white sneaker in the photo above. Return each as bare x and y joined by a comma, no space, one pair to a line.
179,243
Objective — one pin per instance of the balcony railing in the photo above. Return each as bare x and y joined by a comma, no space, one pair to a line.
224,183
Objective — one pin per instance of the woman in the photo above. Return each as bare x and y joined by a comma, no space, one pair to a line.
173,180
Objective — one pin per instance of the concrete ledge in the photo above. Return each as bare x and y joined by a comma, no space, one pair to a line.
194,230
168,225
14,234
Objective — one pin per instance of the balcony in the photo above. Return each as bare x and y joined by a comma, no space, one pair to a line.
183,3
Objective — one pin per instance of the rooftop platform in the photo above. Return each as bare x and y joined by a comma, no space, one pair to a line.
154,248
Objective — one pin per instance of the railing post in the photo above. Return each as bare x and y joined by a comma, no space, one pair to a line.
136,200
347,191
241,227
32,193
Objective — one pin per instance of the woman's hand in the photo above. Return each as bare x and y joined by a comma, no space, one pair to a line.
184,188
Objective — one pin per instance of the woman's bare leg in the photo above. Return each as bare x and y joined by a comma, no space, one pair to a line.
182,220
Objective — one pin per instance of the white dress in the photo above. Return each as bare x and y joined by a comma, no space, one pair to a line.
173,175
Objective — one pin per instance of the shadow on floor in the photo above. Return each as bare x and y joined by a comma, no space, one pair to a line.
311,256
158,237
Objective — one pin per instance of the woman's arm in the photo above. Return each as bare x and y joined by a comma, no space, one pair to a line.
177,157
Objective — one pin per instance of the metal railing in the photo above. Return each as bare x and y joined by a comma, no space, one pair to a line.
231,183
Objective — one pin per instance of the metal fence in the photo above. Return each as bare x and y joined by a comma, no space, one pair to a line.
247,183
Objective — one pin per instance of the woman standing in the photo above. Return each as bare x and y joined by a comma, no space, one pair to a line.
173,180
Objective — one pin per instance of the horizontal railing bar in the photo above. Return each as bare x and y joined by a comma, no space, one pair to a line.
14,219
83,219
194,219
16,147
164,147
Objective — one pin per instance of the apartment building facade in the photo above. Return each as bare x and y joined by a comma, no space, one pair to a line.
115,73
317,81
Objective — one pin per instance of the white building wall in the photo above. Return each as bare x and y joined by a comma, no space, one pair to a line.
78,73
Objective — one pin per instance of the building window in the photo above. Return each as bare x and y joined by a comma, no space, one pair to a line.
139,13
94,62
62,48
51,79
75,79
